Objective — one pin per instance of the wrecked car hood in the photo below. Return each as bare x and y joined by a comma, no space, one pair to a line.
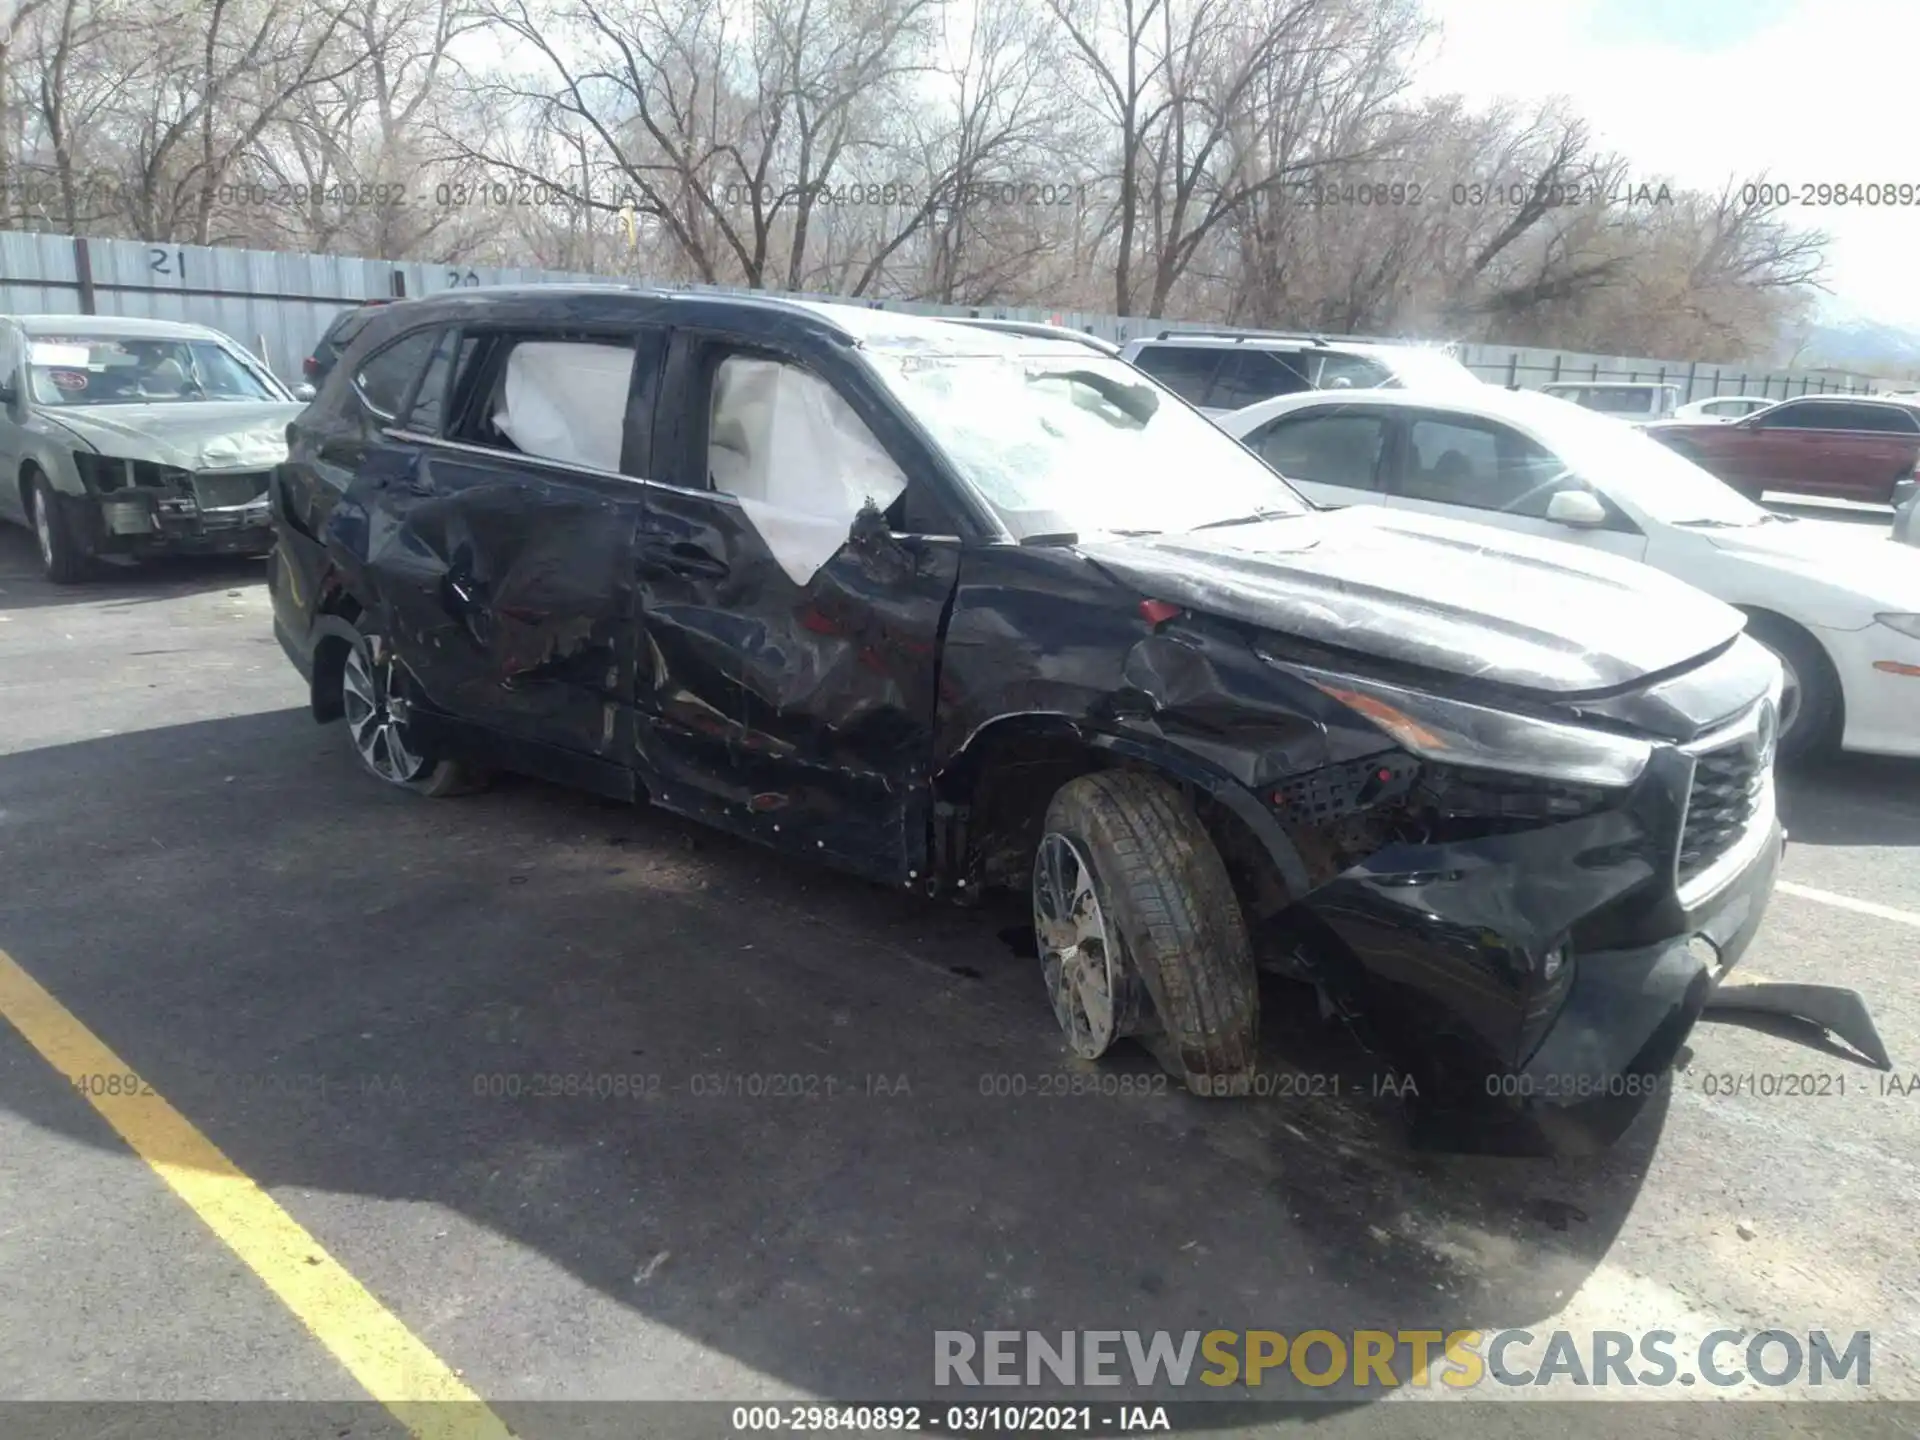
193,434
1441,594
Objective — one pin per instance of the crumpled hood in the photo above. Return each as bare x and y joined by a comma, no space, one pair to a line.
1884,575
1441,594
193,434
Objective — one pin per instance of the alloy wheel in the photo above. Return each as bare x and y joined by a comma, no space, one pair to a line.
1077,954
376,715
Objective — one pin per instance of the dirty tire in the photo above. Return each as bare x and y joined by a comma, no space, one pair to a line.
382,743
1160,878
61,555
1816,723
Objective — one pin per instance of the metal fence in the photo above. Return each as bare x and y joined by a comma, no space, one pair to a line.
278,304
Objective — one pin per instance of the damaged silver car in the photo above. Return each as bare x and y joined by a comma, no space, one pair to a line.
135,438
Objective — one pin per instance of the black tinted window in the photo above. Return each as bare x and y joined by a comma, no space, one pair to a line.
1249,376
1331,449
429,403
385,377
1356,371
1478,464
346,325
1808,415
1185,370
1881,419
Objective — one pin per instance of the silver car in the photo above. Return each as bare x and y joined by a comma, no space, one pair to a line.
1906,512
135,437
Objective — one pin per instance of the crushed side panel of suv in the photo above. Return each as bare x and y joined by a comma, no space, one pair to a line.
921,601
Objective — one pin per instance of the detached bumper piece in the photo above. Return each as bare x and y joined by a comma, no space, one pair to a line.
1536,980
1839,1012
143,509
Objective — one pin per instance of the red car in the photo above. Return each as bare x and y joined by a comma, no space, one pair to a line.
1848,447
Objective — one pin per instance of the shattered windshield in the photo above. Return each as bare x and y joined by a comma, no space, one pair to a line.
1060,444
80,369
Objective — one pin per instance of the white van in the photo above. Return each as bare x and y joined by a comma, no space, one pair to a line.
1622,399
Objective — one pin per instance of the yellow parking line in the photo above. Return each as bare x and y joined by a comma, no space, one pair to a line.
388,1359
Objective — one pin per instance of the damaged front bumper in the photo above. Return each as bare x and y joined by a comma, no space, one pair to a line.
1537,985
203,513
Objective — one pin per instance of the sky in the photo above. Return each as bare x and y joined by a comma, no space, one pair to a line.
1700,91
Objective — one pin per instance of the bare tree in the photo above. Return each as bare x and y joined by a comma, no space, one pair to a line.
1254,160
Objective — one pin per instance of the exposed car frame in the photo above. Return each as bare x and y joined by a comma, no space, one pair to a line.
132,478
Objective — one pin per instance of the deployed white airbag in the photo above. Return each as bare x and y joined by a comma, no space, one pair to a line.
801,462
566,400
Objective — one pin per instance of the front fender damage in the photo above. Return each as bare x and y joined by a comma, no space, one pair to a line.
1472,929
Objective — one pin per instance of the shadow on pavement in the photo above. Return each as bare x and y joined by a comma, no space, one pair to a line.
827,1120
23,586
1852,800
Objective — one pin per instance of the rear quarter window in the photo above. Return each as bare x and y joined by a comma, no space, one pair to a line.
385,378
1187,370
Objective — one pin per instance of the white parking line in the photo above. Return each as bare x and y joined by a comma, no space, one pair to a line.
1847,902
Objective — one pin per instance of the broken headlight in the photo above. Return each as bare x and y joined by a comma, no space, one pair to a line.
1474,736
106,473
102,473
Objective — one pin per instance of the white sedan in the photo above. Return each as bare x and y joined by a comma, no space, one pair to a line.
1840,609
1724,408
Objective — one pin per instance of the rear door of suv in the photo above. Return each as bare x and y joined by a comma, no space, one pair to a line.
490,521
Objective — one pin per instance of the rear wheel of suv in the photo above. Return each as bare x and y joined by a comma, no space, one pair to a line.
61,554
378,709
1140,932
1810,704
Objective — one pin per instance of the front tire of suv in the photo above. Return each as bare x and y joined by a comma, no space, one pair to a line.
1131,895
61,555
376,704
1810,706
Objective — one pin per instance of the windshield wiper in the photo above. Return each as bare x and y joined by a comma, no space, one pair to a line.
1254,519
1705,524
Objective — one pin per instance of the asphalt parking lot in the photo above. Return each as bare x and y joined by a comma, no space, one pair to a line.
356,995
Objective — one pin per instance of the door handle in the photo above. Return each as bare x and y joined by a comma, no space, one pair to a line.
683,558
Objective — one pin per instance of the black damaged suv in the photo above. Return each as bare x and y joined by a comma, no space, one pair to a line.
953,609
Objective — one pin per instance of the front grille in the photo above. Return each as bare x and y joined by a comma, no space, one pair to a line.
1726,789
220,492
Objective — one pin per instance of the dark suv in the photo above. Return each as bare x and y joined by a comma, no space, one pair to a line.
335,339
924,602
1221,373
